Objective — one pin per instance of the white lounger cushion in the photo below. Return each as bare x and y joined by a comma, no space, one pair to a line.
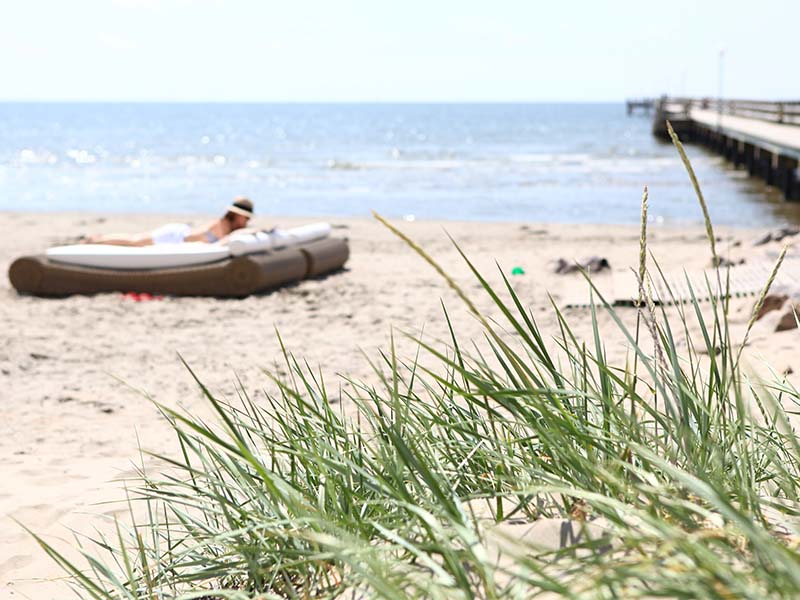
280,238
161,256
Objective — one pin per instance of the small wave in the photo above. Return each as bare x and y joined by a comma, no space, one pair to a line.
343,165
532,158
26,156
562,159
81,157
437,165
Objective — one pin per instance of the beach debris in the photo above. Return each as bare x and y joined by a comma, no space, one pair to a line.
70,240
141,297
518,271
787,304
789,317
727,262
776,235
706,351
771,302
527,229
593,264
579,511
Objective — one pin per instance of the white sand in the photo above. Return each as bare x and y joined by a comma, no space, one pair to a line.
69,425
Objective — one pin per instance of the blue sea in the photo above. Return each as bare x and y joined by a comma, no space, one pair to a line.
573,163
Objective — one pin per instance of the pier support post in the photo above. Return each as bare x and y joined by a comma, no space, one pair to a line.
750,157
702,134
738,155
785,175
763,165
721,141
731,149
712,139
769,167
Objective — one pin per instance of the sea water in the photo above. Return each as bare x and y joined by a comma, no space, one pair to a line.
574,163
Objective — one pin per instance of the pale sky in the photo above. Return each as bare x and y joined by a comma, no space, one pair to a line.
404,50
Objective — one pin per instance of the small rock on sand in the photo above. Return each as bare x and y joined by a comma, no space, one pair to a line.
789,317
771,302
788,307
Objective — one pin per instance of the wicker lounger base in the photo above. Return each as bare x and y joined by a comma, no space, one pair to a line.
234,277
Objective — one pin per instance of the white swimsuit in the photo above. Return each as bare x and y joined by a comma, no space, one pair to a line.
171,233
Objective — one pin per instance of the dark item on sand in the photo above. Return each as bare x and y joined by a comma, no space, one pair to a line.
787,302
232,277
593,264
776,235
727,262
771,302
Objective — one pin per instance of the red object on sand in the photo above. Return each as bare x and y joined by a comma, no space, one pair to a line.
141,297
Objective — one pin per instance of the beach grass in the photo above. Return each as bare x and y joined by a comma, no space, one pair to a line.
671,475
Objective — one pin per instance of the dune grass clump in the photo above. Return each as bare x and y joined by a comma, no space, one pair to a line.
674,474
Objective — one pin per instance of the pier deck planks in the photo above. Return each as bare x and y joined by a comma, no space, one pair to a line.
784,139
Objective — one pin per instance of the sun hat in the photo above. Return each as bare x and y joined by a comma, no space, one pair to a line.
241,206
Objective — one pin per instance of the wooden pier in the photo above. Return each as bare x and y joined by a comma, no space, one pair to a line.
643,104
763,137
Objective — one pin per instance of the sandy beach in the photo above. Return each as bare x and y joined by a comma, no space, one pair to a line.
77,372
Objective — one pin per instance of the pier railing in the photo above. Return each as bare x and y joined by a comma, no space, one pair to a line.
783,112
644,104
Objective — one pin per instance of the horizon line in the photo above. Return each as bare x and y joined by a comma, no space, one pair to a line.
184,101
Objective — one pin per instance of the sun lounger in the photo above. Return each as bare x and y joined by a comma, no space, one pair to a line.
237,276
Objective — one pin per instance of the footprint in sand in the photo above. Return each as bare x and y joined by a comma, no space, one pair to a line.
18,561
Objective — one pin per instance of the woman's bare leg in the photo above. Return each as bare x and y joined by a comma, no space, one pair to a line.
116,239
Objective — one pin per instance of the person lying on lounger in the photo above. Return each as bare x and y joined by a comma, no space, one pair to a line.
235,218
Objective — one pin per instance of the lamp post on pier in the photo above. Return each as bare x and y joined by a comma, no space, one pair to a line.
719,88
